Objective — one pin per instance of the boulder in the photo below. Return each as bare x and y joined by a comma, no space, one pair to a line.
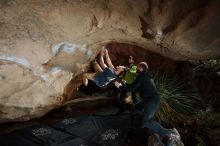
45,44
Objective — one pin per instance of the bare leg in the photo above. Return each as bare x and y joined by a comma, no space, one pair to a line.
108,60
97,67
86,76
101,58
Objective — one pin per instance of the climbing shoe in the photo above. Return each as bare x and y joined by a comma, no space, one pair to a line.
174,138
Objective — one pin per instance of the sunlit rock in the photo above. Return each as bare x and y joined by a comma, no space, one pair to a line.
44,44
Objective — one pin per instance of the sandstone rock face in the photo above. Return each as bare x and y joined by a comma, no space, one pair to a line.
46,43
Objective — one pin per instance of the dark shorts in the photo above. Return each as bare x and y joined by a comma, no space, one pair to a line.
108,75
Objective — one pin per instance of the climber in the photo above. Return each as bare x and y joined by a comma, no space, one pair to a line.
104,74
129,77
150,102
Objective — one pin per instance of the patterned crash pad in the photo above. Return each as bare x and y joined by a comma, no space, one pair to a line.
87,130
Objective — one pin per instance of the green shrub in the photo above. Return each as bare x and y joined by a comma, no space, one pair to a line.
177,101
201,142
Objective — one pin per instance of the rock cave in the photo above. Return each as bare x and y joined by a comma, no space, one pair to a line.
46,46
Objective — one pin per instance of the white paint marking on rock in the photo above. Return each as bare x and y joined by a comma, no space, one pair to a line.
158,36
89,53
65,47
22,61
44,76
55,70
70,48
159,33
56,48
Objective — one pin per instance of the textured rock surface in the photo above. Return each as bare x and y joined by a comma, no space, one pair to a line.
44,43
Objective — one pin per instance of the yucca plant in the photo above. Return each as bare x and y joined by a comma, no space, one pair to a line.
177,102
